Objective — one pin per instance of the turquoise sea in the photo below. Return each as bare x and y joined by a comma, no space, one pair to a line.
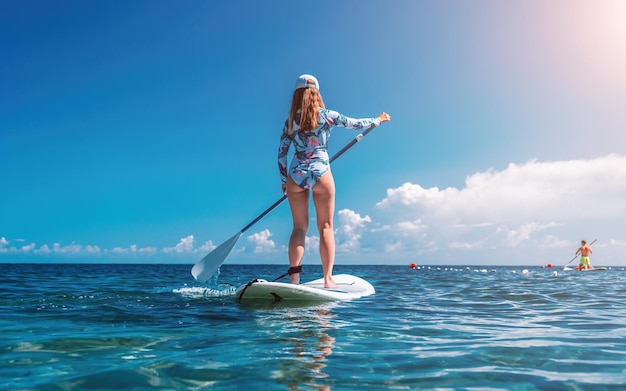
152,327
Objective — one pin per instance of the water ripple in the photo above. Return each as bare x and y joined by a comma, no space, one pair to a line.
77,327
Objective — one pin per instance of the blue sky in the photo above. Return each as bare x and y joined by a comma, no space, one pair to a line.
147,131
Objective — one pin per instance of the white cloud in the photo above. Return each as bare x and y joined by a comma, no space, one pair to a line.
207,247
349,230
528,205
44,249
513,237
67,249
550,190
312,244
618,242
185,245
28,248
119,250
92,249
3,244
262,242
130,250
24,249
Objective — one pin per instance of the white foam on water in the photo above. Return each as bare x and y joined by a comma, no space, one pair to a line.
198,291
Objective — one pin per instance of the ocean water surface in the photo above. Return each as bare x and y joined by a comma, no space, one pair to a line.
145,327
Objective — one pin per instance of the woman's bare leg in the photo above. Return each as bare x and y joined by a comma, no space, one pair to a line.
324,201
299,204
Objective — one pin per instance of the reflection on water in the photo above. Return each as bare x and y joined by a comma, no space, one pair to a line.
305,345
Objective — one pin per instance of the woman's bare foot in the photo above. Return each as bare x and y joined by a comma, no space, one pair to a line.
329,283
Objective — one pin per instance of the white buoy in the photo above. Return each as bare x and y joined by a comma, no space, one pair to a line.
525,271
554,274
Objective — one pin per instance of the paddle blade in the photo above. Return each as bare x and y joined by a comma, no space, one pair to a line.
207,266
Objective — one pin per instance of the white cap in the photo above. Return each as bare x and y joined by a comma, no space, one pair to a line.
303,79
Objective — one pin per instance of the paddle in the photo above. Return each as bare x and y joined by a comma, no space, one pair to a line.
576,256
207,266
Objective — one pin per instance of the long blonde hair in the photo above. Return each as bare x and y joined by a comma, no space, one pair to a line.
307,101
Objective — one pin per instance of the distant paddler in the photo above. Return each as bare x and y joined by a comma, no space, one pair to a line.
584,252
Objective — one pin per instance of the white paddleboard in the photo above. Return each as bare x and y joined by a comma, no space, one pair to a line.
349,287
595,269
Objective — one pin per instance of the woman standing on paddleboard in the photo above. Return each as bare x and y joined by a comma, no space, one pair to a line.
308,129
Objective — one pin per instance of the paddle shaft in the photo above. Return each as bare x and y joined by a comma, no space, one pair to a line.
332,159
576,256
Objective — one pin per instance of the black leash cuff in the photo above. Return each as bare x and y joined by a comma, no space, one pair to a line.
294,270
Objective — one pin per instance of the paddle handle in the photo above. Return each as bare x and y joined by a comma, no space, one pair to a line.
332,159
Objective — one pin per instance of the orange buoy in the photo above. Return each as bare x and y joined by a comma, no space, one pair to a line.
549,265
412,266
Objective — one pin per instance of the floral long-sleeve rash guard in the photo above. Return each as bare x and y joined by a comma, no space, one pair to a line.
310,160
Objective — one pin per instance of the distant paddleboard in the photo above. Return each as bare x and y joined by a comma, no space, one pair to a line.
595,269
349,287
